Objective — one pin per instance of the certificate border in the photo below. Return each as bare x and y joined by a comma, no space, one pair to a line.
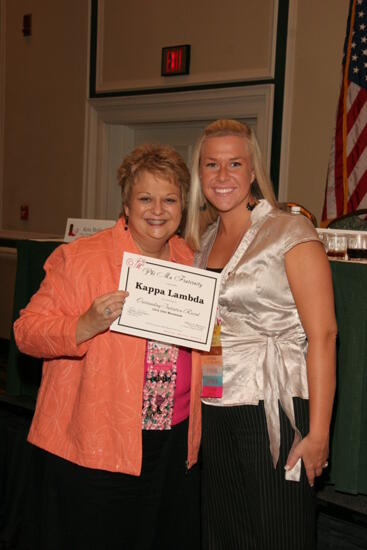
200,342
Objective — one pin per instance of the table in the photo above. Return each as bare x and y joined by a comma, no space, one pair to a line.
24,372
348,460
348,464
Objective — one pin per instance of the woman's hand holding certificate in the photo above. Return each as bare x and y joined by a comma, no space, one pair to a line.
167,301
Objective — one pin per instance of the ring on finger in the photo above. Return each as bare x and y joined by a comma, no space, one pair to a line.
107,312
326,464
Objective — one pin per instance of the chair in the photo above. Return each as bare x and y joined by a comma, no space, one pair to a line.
298,209
356,220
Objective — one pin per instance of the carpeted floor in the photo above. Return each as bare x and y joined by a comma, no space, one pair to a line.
342,520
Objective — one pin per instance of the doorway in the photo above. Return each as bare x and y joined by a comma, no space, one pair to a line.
116,125
123,139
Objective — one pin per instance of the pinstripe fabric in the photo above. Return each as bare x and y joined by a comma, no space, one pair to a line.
247,505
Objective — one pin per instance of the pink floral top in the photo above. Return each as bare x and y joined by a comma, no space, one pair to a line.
166,392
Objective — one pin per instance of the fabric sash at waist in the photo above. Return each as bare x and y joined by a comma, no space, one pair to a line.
277,360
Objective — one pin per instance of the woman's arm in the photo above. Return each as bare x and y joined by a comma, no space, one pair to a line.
309,277
60,317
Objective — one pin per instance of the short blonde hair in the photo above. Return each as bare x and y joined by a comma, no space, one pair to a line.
161,160
200,212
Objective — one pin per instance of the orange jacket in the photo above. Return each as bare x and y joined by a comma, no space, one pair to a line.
89,404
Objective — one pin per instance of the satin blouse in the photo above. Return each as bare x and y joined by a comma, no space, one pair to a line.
264,344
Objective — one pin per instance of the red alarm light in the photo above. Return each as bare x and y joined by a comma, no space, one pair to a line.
175,60
24,212
27,25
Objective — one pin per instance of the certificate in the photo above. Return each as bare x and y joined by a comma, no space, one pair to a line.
168,302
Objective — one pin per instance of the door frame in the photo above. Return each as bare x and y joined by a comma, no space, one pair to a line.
253,103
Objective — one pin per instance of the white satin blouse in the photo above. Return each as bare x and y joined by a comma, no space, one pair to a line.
263,341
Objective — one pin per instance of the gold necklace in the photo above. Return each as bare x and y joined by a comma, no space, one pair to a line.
247,225
250,208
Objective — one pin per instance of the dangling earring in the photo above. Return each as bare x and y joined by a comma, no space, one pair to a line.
126,222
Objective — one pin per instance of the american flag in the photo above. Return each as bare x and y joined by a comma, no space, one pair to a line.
346,188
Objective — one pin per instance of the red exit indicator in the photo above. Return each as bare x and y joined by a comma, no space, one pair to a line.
175,60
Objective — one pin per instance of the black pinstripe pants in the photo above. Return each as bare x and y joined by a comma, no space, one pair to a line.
247,504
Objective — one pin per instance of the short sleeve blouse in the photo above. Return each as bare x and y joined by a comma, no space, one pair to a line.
263,341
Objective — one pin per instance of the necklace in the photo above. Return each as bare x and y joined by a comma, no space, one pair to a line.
224,246
250,208
242,234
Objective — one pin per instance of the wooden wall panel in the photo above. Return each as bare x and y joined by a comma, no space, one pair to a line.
230,41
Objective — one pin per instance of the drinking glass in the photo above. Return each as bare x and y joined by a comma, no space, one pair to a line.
323,238
336,246
357,247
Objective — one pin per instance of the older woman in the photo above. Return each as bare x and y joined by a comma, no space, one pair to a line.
266,427
118,460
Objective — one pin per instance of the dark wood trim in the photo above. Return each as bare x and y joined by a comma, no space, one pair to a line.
280,63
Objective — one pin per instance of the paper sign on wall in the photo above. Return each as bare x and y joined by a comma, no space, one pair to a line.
82,227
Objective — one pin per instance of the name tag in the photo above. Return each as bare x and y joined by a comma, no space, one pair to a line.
212,367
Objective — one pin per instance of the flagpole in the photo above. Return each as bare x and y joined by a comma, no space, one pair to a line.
345,114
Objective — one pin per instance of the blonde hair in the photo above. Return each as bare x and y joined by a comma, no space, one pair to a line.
200,212
160,160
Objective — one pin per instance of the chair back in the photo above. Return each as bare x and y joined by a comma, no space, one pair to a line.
356,220
298,209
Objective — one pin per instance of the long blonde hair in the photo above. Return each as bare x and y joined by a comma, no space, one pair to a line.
200,212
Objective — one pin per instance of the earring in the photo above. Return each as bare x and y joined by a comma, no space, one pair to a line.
250,207
126,222
203,207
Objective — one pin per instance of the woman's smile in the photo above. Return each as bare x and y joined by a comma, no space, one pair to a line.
222,190
226,172
154,212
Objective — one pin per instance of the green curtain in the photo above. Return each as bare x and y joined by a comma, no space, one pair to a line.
24,372
349,438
